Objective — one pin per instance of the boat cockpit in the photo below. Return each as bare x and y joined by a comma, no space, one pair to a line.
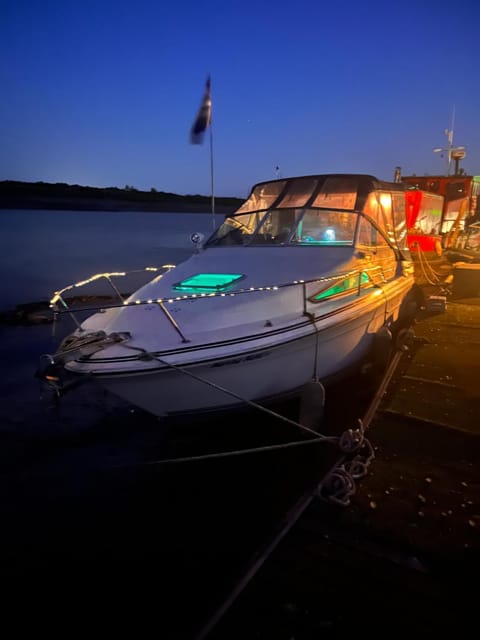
332,210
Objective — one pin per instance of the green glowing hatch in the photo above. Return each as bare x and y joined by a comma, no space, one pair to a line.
207,282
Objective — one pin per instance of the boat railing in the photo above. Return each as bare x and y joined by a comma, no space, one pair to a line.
61,304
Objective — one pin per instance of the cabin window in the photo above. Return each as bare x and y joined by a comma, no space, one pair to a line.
291,226
326,227
355,282
369,236
399,215
382,263
236,230
298,193
277,227
263,196
307,227
373,209
337,193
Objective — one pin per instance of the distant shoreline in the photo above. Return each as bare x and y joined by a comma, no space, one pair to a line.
41,195
56,204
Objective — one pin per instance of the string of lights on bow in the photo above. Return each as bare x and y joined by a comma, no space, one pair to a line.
59,295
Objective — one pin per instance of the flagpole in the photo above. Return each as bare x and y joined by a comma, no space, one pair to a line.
202,122
211,177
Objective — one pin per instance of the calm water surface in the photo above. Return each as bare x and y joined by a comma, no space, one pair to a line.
42,251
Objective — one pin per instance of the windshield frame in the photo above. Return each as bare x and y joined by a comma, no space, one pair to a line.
291,221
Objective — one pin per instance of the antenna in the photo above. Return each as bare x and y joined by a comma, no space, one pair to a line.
455,153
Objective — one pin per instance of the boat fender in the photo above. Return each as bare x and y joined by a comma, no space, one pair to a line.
382,344
438,248
312,405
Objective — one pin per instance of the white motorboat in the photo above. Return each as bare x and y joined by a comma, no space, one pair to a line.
294,286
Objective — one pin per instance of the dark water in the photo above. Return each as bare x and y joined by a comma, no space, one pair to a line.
42,251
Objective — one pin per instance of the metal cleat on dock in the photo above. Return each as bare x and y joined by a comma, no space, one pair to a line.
437,304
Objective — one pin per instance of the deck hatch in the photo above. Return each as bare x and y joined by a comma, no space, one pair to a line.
207,282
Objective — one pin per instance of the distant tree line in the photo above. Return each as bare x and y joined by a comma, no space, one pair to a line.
14,192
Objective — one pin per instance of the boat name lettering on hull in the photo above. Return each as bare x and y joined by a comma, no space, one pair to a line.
252,356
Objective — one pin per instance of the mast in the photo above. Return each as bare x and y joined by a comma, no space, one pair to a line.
453,153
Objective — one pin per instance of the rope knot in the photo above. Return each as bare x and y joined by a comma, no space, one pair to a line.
337,487
352,439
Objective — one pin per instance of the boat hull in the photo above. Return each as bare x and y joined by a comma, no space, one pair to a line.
321,350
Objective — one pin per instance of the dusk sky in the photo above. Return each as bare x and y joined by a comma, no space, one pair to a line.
103,93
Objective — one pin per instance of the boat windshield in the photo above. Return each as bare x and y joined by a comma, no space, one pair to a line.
295,226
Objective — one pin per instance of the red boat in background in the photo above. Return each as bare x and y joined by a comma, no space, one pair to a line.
424,220
460,213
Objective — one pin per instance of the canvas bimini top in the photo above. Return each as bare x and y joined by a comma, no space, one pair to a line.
315,210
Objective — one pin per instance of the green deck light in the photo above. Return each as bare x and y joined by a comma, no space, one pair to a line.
207,282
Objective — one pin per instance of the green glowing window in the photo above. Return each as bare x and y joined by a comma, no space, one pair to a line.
341,287
207,282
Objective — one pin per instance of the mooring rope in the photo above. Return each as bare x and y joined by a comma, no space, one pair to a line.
433,278
151,356
240,452
338,486
349,442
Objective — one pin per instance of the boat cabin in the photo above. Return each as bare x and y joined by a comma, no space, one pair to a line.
330,210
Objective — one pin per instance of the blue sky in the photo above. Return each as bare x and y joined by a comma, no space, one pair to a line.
104,93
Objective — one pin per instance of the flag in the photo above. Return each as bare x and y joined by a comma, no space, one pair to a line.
204,116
